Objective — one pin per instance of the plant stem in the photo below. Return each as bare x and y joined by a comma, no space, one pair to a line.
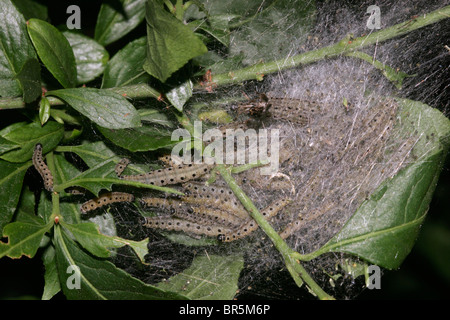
293,266
346,45
297,271
56,212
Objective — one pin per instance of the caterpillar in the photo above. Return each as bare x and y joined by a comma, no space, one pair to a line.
251,225
162,177
105,199
42,168
172,224
199,214
214,196
294,110
223,233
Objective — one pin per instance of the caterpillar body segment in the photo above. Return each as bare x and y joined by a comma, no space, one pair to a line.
42,168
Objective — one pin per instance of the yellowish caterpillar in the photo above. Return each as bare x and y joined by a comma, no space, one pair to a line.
42,168
105,199
222,232
215,196
185,226
162,177
200,214
251,225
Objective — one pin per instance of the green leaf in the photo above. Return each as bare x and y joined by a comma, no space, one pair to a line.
113,22
64,171
171,44
91,153
28,135
125,68
96,152
103,176
23,238
26,209
145,138
99,279
30,80
384,229
178,96
90,238
11,180
44,210
31,9
15,49
52,285
88,235
220,34
209,277
90,57
156,116
6,145
44,110
54,51
106,108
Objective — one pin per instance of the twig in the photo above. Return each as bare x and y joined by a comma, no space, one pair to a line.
342,47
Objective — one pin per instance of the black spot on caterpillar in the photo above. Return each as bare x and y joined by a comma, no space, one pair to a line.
42,168
120,167
105,199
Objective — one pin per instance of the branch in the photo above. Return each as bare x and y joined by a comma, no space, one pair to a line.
256,72
297,271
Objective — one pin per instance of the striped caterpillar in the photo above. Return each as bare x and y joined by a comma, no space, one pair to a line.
218,197
162,177
251,225
105,199
223,233
42,168
294,110
186,226
199,214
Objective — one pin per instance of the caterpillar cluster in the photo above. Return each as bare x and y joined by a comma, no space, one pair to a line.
215,196
42,168
201,214
224,231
